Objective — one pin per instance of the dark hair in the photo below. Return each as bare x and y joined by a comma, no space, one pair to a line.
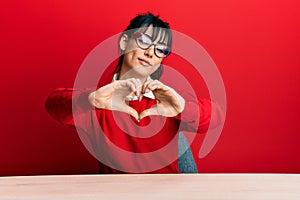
145,20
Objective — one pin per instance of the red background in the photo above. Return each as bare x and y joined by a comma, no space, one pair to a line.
255,45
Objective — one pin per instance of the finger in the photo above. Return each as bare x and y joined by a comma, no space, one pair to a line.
137,85
133,113
148,112
129,110
131,84
124,85
145,86
151,85
157,85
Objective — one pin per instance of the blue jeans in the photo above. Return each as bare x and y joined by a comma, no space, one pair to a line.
186,161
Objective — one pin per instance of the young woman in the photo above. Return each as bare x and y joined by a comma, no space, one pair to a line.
132,120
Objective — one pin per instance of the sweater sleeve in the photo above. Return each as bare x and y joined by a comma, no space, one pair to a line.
199,114
63,103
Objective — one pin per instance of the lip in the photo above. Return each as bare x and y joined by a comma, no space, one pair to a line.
144,62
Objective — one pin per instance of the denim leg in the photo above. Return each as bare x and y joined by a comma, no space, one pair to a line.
186,162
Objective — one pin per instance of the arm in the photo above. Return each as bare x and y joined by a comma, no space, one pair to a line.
110,97
198,115
59,104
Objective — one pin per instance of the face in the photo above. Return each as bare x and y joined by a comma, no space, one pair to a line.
140,60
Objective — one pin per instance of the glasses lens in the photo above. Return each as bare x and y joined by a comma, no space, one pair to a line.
162,50
143,41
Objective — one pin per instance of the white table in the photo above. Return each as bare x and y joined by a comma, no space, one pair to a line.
154,187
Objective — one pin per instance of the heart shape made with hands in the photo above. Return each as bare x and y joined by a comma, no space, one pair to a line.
112,97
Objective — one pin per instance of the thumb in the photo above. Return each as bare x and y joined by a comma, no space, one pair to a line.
148,112
132,112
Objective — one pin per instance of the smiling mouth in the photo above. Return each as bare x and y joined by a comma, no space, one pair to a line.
144,62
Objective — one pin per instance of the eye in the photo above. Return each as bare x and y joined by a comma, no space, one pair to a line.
161,48
145,39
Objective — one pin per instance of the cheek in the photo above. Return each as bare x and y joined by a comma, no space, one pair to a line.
130,53
131,47
130,58
133,53
157,62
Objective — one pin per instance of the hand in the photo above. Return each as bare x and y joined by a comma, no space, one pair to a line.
169,102
112,96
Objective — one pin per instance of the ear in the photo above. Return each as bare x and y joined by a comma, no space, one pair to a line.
123,42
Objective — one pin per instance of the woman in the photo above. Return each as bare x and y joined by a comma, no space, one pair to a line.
145,141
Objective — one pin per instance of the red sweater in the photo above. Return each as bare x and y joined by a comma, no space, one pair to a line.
119,142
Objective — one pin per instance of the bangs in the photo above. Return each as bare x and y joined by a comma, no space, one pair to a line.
162,35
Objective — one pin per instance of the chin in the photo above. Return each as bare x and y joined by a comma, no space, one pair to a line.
143,70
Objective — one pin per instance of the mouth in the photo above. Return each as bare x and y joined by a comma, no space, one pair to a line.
144,62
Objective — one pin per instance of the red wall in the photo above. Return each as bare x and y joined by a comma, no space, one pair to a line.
255,45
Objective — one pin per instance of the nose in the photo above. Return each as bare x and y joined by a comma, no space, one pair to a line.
150,51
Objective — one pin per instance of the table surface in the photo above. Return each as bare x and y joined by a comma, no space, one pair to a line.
152,186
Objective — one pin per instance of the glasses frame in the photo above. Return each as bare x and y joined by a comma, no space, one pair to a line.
138,34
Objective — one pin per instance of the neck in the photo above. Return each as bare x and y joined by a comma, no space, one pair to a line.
126,74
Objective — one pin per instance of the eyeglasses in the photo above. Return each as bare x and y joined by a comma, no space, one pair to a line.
145,42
